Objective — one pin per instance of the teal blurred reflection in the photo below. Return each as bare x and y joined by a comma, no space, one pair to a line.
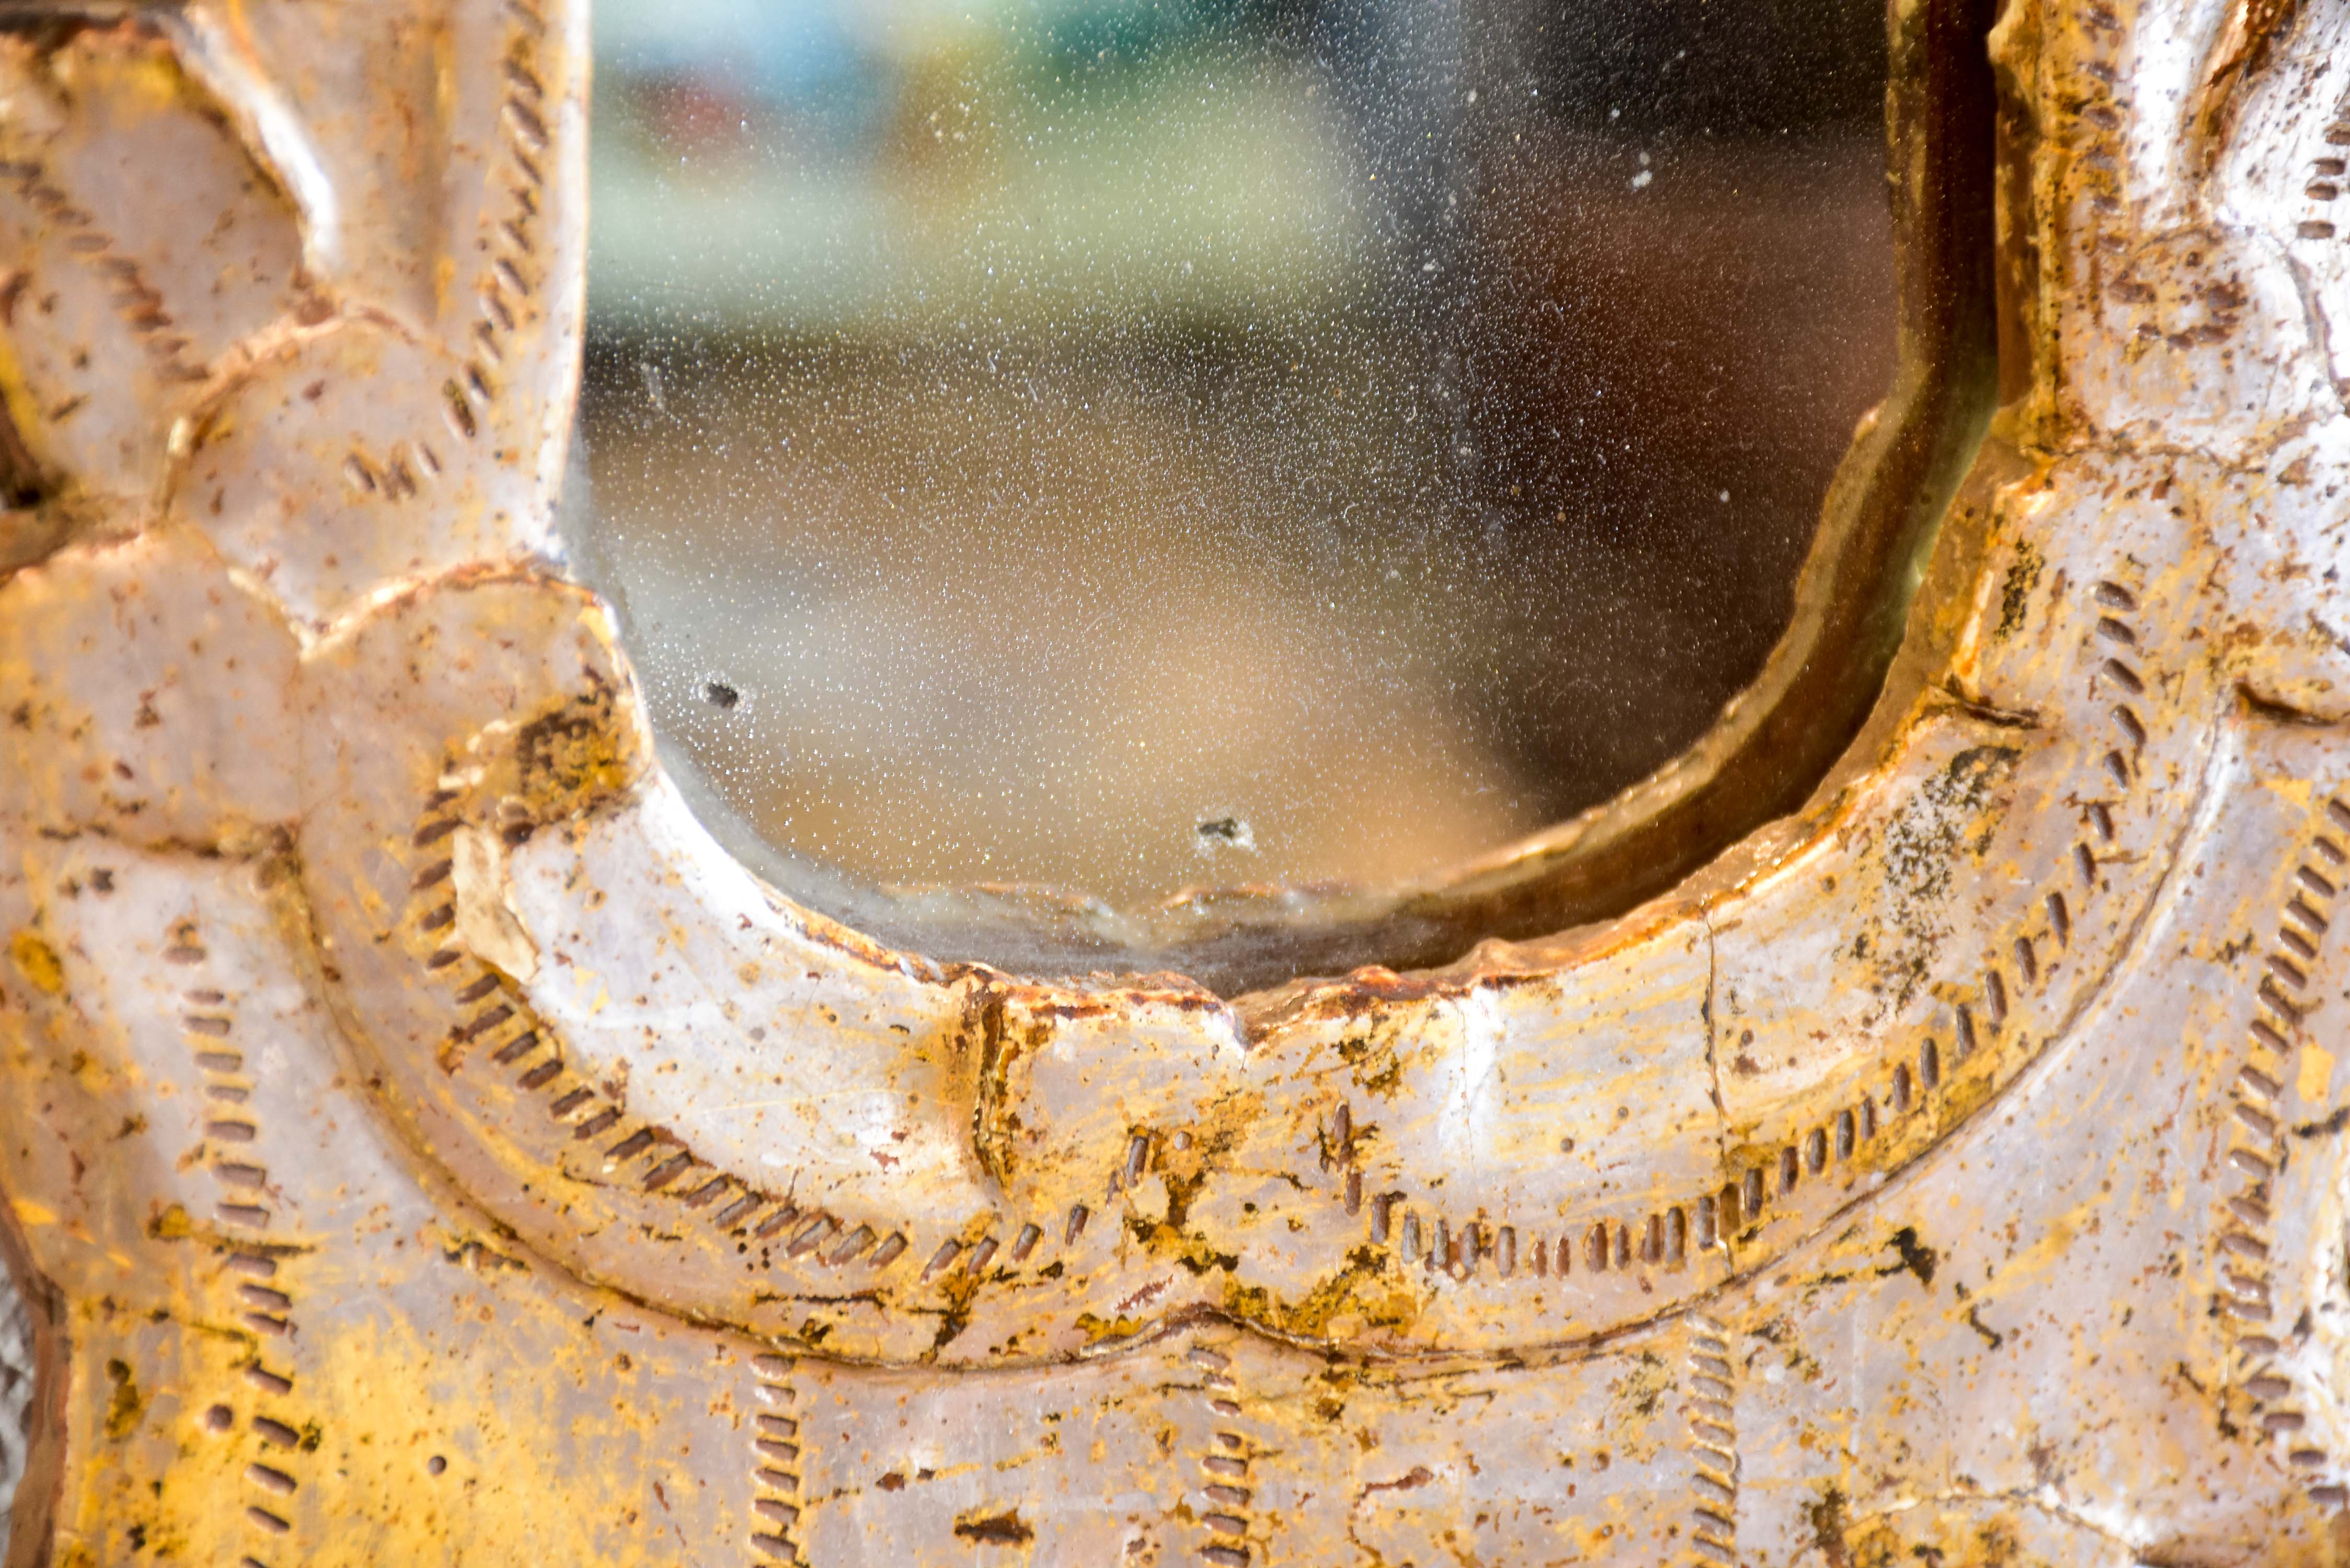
1120,445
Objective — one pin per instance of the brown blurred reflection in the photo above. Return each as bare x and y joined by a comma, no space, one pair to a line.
1079,472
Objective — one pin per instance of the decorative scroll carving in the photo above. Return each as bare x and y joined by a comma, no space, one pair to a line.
422,1141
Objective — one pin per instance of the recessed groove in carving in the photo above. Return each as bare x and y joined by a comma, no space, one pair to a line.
667,1171
777,1460
709,1192
2323,186
482,1022
1845,1130
1963,1042
263,1297
729,1218
597,1124
810,1235
264,1309
270,1480
1226,1489
134,300
1339,1154
2240,1260
628,1147
1663,1234
663,1165
538,1077
1712,1423
510,236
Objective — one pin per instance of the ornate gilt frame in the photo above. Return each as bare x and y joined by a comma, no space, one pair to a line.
424,1142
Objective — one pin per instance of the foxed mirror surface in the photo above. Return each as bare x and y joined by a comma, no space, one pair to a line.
1113,448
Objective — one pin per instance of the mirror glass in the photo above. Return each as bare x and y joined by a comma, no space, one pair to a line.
1125,445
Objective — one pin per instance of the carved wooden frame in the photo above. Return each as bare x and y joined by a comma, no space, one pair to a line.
421,1139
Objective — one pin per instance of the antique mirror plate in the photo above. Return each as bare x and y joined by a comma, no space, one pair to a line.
1060,466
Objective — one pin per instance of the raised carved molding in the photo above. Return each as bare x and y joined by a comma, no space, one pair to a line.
422,1141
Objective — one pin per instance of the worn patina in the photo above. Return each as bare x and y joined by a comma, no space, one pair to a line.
423,1142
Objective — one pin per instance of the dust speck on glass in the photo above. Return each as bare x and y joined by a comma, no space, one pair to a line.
1118,445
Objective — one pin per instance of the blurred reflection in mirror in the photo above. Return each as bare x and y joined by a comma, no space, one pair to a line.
1118,445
